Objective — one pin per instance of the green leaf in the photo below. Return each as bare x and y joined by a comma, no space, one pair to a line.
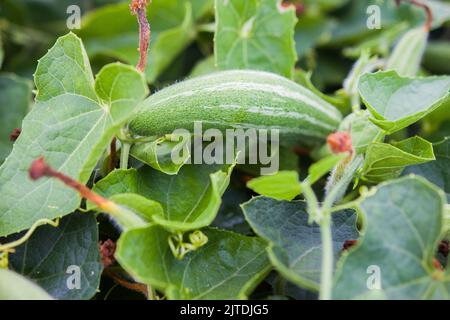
402,229
310,31
322,167
362,130
144,207
113,31
15,287
283,185
70,126
396,102
190,199
385,161
47,256
229,266
294,245
255,34
15,99
437,172
158,154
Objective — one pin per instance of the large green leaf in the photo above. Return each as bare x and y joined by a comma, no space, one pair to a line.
229,266
438,171
15,99
397,102
171,31
48,256
190,199
387,161
15,287
402,229
255,34
295,247
70,126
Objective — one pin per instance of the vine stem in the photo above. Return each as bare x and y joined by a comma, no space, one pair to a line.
124,155
326,278
139,8
429,13
10,246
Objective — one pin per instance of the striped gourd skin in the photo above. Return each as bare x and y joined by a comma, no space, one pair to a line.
239,99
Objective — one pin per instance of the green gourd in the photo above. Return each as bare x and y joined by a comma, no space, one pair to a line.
238,99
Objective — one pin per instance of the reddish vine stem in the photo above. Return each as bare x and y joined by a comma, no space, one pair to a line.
137,287
139,8
424,6
40,169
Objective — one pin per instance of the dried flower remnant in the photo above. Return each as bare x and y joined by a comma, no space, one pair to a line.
139,8
340,142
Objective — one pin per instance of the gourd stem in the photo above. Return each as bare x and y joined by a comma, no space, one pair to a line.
124,155
326,278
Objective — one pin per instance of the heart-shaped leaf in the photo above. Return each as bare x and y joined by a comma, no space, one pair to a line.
229,266
255,34
396,102
71,125
295,246
387,161
190,199
52,256
394,260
